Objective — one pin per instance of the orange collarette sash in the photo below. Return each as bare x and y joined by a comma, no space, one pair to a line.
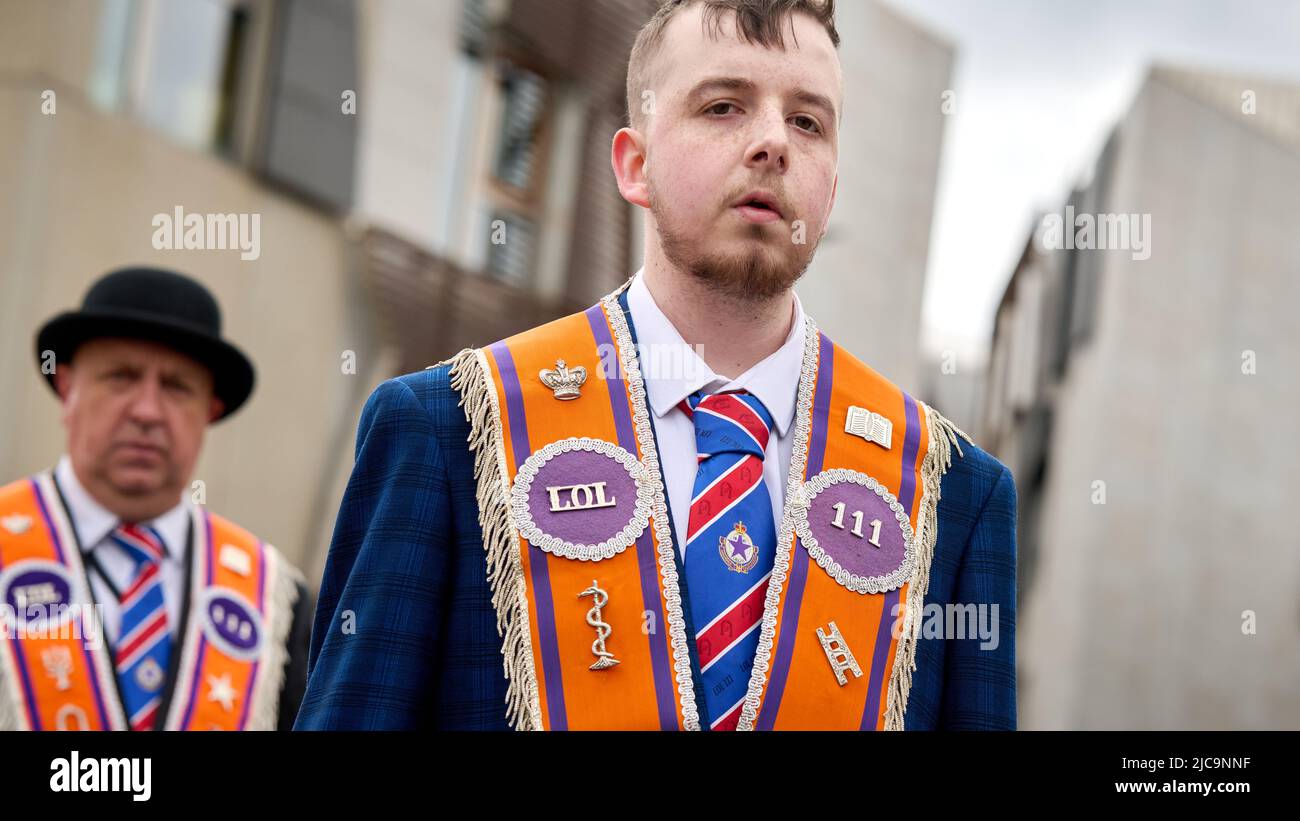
585,574
56,670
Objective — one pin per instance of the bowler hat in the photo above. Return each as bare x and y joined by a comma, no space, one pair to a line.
157,306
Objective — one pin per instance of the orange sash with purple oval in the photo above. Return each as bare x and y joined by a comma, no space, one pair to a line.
56,671
585,574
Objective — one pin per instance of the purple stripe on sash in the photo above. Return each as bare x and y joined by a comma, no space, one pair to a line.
821,411
211,554
261,607
907,485
645,559
884,632
49,521
645,550
90,659
541,575
194,682
209,559
614,382
821,407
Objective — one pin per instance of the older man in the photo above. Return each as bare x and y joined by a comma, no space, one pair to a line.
127,605
590,526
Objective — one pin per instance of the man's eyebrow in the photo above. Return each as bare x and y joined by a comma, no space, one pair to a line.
712,84
804,96
818,101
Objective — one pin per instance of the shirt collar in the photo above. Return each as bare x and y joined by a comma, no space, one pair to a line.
94,522
673,370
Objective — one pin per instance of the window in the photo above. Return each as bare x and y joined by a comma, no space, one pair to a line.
525,98
512,251
517,177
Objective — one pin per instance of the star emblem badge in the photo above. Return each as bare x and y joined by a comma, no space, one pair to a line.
221,691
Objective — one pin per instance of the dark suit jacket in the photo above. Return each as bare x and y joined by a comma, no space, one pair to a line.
295,674
406,574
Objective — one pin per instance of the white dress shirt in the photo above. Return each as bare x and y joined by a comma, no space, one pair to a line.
774,381
95,524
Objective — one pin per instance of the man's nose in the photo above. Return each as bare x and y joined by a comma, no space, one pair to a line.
146,403
771,146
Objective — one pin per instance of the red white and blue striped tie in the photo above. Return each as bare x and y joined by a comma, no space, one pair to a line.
730,544
143,647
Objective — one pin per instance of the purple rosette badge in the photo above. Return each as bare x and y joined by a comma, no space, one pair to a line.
581,498
38,592
231,623
855,530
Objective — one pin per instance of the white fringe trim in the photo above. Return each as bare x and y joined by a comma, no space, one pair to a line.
11,715
938,458
471,378
282,583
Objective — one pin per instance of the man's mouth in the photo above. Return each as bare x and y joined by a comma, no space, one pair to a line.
139,450
759,207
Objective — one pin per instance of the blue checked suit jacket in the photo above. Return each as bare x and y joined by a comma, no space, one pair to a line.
405,634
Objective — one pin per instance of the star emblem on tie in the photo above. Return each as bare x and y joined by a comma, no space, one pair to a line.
221,691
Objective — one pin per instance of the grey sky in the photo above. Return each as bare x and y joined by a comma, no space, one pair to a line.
1040,84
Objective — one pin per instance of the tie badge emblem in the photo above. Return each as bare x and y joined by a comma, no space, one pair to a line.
870,426
567,384
838,654
604,658
149,675
738,550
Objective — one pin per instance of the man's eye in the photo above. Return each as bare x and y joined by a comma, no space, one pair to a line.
813,126
714,108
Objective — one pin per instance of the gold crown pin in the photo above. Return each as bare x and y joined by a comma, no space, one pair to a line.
566,383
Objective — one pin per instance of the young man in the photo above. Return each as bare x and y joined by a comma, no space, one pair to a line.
126,606
591,525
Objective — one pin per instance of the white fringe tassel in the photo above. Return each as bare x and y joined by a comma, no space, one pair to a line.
265,712
10,715
470,378
938,458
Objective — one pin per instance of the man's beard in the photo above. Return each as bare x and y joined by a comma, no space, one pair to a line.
758,273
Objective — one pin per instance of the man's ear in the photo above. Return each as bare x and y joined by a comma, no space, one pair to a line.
628,157
215,409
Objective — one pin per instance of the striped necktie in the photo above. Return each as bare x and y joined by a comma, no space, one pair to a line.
730,544
144,644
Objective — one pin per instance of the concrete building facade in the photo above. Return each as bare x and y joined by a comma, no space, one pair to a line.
1145,404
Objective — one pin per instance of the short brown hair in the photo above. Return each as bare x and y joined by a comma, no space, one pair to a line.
757,21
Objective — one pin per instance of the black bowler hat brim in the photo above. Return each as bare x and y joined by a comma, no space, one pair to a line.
232,372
